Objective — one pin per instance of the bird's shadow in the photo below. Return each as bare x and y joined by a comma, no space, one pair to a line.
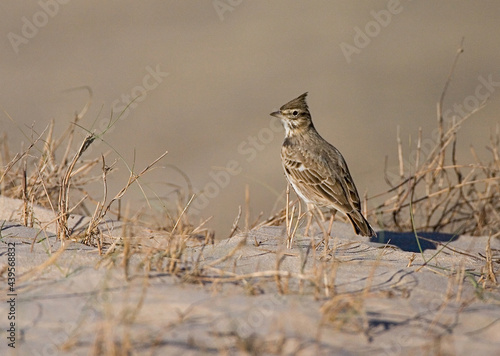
407,241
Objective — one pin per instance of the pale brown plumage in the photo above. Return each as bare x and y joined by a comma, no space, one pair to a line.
316,169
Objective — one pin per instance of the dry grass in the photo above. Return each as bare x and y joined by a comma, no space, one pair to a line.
436,192
52,174
38,176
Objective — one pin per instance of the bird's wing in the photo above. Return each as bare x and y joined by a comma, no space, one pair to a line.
345,177
318,181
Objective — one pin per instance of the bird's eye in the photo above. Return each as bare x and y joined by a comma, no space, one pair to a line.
295,113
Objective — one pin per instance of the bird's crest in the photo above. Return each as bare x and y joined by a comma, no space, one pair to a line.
297,103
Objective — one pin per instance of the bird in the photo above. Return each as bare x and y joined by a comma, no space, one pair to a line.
316,170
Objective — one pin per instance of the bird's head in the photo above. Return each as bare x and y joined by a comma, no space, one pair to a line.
294,115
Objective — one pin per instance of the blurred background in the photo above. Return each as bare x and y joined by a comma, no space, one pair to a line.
206,74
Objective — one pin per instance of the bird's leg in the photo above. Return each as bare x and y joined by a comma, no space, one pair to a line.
310,212
332,218
322,228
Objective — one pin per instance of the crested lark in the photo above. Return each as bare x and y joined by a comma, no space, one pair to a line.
316,170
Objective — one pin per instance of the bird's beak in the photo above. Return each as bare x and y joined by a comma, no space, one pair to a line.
278,114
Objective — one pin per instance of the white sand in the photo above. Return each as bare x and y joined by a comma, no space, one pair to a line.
69,305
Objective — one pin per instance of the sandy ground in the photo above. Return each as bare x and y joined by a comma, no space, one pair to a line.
366,299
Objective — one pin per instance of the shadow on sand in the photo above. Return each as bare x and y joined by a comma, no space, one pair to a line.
407,241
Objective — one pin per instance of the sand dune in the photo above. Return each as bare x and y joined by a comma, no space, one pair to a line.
361,297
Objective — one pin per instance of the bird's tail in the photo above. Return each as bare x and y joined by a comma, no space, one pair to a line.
360,225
